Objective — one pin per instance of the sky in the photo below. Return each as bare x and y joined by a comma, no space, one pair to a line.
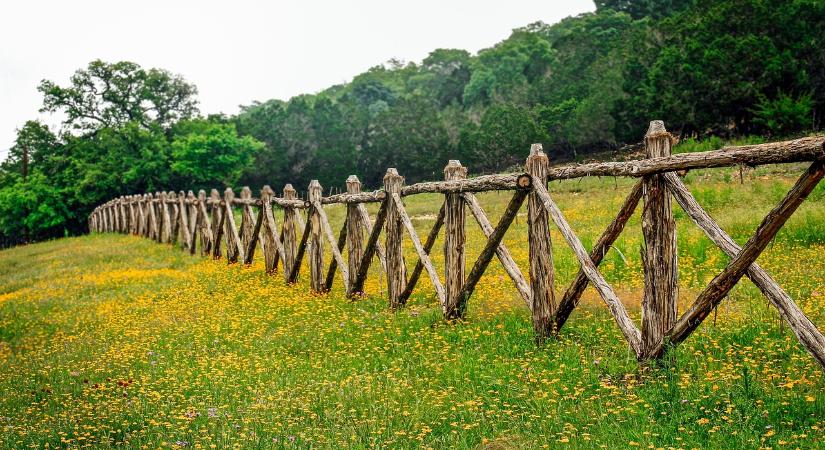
240,51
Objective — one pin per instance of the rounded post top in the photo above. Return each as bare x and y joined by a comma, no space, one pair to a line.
353,184
658,141
393,181
190,195
656,127
289,192
246,192
201,194
171,195
214,194
315,191
454,170
536,149
229,194
266,190
537,163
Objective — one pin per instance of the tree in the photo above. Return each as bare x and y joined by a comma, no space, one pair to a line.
639,9
206,153
34,143
110,95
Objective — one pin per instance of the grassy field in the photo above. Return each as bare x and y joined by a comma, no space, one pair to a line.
110,340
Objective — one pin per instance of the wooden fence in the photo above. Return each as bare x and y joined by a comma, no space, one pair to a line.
208,224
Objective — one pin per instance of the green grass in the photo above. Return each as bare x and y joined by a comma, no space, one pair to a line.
110,340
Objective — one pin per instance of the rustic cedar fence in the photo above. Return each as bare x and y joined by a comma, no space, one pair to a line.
207,223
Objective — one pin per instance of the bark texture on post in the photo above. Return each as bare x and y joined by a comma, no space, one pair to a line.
396,271
247,218
316,241
454,241
660,252
217,222
355,232
290,238
205,224
269,232
542,275
184,221
234,250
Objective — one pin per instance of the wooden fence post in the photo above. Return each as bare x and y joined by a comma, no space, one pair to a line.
660,252
217,223
164,217
183,217
290,238
233,249
174,222
192,212
396,271
542,275
205,224
247,218
355,232
269,231
316,243
454,240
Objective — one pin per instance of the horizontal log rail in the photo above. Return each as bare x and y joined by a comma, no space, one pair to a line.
211,224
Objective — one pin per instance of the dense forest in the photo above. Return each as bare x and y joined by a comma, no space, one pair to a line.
586,84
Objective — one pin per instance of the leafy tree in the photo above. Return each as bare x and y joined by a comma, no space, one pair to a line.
784,114
206,153
32,208
112,94
639,9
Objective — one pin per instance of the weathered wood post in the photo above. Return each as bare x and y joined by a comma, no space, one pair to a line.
542,275
316,243
230,230
174,221
205,224
217,223
151,221
268,230
118,215
290,238
192,213
183,217
396,271
659,253
355,232
163,217
247,217
454,242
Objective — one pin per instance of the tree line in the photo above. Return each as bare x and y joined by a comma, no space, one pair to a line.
586,84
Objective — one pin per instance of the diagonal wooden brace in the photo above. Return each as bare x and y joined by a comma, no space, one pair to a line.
617,309
743,262
574,292
501,251
423,257
488,252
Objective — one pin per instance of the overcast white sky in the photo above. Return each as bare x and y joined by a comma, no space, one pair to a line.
243,50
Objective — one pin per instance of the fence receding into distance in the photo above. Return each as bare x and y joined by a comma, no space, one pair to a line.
208,224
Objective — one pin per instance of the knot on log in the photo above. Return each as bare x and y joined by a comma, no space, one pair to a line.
524,181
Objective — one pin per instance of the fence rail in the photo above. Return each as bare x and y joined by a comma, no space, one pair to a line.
208,223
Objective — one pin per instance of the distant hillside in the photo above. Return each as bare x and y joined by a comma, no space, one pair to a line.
588,83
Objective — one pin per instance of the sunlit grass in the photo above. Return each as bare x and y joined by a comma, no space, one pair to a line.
116,340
